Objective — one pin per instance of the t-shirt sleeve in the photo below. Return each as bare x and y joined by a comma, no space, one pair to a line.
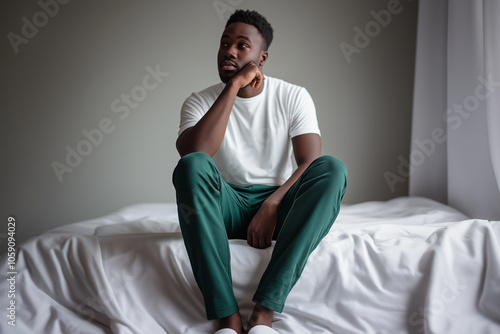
192,111
304,119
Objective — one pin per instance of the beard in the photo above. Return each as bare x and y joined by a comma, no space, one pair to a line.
225,76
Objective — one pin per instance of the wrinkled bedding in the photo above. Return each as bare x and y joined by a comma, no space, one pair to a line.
408,265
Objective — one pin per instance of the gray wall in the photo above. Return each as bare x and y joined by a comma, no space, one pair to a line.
73,72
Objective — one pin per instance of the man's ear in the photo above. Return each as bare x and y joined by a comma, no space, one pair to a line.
263,58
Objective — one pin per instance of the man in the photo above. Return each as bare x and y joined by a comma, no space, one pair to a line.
235,179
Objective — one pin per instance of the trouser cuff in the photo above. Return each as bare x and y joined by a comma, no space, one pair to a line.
277,307
221,312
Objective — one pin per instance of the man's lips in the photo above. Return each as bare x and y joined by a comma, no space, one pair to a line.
228,65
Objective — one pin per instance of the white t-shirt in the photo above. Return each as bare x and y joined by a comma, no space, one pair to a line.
257,145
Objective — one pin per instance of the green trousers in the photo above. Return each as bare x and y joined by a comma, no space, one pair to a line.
212,211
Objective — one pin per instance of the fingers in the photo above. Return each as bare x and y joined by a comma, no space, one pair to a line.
264,243
259,77
261,228
258,241
251,240
257,81
251,75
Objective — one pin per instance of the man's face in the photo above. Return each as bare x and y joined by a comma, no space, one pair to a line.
240,44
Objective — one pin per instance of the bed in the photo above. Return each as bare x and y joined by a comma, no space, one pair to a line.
407,265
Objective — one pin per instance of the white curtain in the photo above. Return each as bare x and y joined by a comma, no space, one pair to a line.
455,153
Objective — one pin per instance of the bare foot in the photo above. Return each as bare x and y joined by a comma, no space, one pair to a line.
261,316
233,321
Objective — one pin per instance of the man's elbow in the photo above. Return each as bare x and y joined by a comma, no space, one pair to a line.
183,144
180,149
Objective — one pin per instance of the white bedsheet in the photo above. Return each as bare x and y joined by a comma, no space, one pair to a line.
409,265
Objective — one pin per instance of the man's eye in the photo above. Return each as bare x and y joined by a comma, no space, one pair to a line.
242,46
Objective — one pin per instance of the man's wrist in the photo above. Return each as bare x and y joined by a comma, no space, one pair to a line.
272,202
234,84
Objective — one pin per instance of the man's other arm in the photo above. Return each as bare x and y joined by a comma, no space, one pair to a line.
306,148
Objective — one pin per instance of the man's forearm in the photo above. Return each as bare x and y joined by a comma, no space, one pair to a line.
207,135
307,148
277,196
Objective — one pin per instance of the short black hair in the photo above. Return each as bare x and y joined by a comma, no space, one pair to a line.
258,21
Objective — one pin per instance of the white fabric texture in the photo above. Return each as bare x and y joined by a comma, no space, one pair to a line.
409,265
262,330
226,331
257,144
455,154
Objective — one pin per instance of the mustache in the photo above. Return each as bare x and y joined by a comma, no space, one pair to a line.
229,62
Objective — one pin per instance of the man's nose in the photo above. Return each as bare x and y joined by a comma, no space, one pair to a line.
231,52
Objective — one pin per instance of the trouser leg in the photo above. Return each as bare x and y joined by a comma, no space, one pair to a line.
306,214
200,196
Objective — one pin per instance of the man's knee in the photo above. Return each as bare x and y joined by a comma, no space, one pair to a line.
193,159
331,166
332,170
191,167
